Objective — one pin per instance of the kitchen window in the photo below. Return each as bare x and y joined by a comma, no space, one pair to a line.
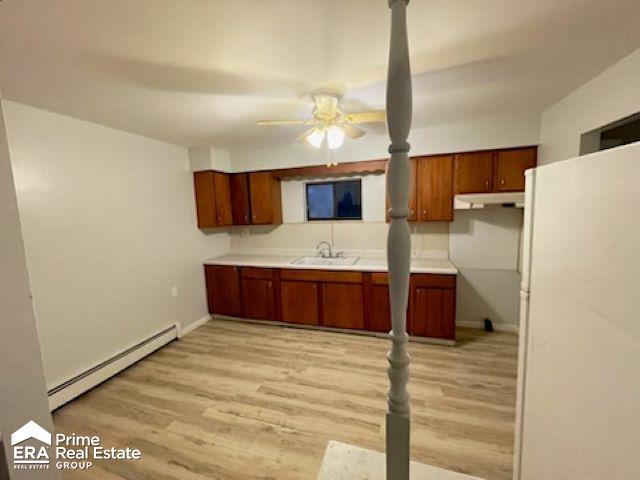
335,200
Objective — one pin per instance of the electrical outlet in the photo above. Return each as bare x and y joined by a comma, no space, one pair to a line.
174,292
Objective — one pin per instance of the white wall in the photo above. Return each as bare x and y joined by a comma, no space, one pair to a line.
23,394
109,226
471,134
354,237
484,244
610,96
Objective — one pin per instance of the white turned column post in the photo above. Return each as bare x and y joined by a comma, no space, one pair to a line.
399,109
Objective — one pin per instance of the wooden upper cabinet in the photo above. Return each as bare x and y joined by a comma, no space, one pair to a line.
205,199
510,166
223,290
222,194
213,199
265,198
473,172
413,192
435,188
240,198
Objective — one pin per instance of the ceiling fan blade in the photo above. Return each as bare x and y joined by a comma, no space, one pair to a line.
367,117
285,122
352,131
304,136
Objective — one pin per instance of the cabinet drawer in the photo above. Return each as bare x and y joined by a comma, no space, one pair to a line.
380,278
432,280
321,276
254,272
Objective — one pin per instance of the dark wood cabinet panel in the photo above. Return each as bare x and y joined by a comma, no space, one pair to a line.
265,198
258,299
222,194
321,276
473,172
378,316
213,199
413,192
223,290
435,188
205,199
240,198
433,313
299,302
510,167
342,305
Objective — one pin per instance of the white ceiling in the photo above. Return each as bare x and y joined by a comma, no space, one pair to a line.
194,72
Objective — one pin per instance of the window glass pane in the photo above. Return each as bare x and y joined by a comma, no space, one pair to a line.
320,200
348,203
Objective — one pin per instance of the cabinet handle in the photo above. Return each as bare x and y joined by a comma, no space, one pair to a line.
502,182
486,184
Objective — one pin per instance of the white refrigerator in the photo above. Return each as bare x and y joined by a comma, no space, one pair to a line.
578,398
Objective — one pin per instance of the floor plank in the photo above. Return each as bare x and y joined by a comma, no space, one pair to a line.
244,401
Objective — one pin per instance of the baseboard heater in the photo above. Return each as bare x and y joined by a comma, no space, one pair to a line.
70,389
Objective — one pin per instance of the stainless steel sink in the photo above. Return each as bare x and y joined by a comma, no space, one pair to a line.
325,261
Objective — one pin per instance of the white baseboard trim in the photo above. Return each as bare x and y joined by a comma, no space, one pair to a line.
191,327
85,381
498,327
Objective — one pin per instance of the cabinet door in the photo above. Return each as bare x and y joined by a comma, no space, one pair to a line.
342,305
379,316
413,192
264,192
205,199
240,199
510,168
258,299
473,172
223,199
433,312
223,290
299,302
435,188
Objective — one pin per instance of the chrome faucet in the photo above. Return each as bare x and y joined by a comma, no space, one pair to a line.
325,251
322,252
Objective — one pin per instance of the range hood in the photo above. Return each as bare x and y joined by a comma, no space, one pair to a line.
488,200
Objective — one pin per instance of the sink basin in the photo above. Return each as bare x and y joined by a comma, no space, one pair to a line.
325,261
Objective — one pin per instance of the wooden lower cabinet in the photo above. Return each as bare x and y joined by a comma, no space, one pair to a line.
336,299
342,306
433,306
299,302
378,317
258,299
223,290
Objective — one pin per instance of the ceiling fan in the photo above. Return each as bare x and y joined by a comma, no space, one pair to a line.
329,122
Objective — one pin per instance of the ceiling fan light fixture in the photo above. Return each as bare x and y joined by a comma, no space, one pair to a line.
316,138
335,137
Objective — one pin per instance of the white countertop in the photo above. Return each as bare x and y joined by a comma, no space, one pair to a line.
364,264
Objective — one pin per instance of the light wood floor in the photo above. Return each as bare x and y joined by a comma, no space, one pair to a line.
241,401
